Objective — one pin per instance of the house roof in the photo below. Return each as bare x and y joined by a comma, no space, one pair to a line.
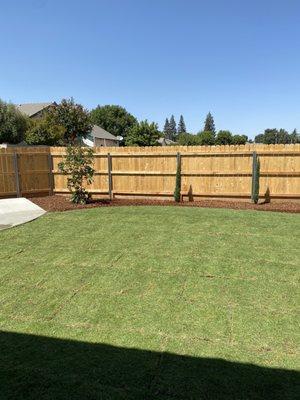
100,133
31,109
165,141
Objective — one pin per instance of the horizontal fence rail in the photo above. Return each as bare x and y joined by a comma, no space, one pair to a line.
206,171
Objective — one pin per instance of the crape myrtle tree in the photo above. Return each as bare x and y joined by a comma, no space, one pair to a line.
73,117
181,125
78,166
114,119
13,123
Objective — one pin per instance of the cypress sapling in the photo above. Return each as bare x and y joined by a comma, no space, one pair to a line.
255,179
177,196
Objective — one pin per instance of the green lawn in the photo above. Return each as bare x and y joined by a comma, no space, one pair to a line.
150,303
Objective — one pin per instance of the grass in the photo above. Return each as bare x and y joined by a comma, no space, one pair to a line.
150,303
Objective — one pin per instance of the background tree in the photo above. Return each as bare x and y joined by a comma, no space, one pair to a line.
259,138
270,136
274,136
223,137
13,124
166,126
181,125
188,139
209,124
295,137
114,119
143,134
167,130
43,132
73,117
239,139
172,128
206,138
283,137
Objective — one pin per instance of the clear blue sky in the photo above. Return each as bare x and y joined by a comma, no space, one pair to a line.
238,59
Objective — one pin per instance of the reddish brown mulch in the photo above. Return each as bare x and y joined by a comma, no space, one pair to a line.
62,203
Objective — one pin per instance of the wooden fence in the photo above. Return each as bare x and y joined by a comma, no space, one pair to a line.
25,171
206,171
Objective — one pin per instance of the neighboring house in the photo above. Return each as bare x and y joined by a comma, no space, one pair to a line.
100,137
165,142
35,110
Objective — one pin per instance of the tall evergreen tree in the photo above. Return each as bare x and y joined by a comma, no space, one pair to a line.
168,130
166,126
173,129
209,125
294,137
181,125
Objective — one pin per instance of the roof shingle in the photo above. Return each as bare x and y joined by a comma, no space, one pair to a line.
31,109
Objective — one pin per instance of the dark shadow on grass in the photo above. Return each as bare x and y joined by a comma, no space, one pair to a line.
35,367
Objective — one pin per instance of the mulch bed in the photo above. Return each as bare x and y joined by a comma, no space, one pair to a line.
62,203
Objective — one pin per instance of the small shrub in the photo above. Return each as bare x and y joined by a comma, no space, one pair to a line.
78,165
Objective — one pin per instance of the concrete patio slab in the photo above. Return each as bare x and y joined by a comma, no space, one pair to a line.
18,211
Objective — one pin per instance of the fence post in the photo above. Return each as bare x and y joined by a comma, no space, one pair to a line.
109,166
17,176
254,173
51,177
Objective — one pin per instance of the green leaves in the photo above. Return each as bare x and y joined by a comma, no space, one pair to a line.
13,124
115,119
224,137
274,136
206,138
143,134
73,117
77,165
43,132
